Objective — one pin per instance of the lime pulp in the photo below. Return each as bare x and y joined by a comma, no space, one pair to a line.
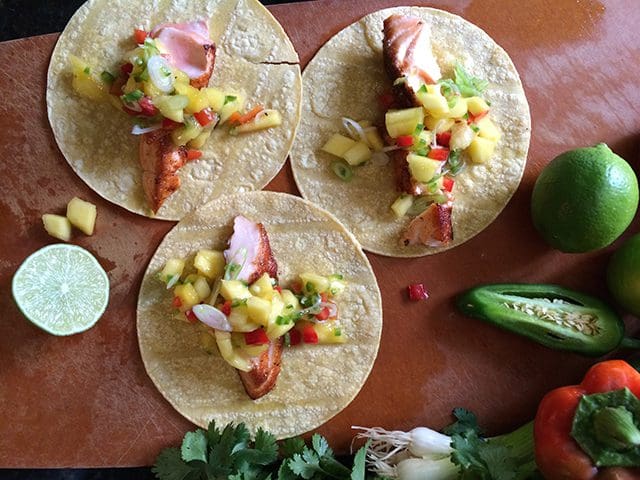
61,288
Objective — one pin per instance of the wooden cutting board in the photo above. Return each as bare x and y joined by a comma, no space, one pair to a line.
86,400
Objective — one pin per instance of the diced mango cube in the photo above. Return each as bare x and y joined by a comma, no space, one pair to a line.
231,103
338,144
422,168
328,334
374,139
240,321
215,98
265,119
57,226
433,101
262,287
174,266
82,215
84,83
481,149
198,100
403,122
458,109
488,129
259,310
290,301
476,105
401,205
227,352
187,295
234,290
357,154
438,124
312,282
210,263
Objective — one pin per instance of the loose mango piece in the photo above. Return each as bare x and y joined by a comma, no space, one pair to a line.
82,215
57,226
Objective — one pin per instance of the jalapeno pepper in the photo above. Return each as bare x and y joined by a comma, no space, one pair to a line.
551,315
592,430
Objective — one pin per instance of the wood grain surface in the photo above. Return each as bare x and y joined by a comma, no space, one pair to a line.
86,400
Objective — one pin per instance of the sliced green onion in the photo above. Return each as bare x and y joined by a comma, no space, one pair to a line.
132,96
342,170
229,99
432,185
474,127
422,89
107,77
87,70
418,130
455,163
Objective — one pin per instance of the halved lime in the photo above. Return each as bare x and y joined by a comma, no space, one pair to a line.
61,288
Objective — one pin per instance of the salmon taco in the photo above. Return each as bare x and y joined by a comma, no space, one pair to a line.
259,308
161,109
415,130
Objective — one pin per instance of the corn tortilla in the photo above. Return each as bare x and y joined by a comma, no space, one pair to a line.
345,79
316,381
254,57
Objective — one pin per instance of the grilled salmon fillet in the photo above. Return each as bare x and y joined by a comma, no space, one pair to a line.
160,160
407,53
264,372
249,247
432,227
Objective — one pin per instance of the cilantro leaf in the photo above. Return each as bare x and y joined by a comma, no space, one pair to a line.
194,446
468,85
170,466
358,472
292,446
320,445
305,464
465,421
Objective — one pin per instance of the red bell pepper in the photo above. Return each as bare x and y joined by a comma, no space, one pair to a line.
558,455
169,124
323,314
417,292
205,117
438,154
147,108
139,36
309,334
257,337
294,337
404,140
474,118
447,184
177,303
443,138
226,308
191,316
193,154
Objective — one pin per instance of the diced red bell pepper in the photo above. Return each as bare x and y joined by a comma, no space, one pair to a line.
191,316
126,68
205,117
323,314
438,154
324,297
404,140
474,118
147,108
294,337
257,337
296,287
309,334
443,138
387,100
169,124
417,292
193,154
447,184
226,308
177,303
278,288
139,36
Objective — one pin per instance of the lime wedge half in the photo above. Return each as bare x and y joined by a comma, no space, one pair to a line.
62,289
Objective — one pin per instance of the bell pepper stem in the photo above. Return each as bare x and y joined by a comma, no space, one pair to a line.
628,342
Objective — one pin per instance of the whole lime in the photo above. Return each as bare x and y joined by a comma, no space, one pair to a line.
623,275
584,199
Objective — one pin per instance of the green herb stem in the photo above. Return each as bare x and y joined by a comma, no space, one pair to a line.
520,442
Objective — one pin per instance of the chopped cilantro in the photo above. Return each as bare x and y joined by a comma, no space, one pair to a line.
231,271
468,85
474,127
418,130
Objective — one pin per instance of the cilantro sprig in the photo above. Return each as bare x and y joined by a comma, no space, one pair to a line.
232,454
